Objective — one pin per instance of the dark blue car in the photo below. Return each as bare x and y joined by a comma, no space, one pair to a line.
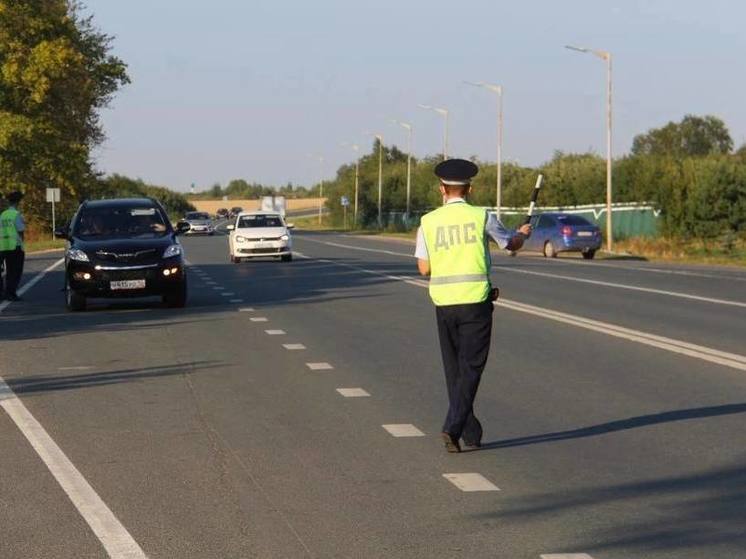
561,232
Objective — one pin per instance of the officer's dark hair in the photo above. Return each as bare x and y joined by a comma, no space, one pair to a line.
453,189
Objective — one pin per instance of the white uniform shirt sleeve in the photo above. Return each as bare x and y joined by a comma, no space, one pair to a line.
498,232
420,250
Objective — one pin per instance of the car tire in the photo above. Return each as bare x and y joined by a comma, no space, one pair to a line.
176,299
74,301
589,254
287,257
549,250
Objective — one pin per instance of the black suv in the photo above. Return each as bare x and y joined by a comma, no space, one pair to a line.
122,248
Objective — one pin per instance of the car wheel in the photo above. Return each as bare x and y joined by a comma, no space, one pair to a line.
589,254
176,299
74,301
287,257
549,250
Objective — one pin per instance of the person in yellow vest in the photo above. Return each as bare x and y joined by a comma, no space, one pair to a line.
12,255
453,250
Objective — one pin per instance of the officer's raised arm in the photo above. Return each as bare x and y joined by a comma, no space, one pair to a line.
505,238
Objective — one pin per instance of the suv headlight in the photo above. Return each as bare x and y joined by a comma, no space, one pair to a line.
285,237
77,254
173,250
240,239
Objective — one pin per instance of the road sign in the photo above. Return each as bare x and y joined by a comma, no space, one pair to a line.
53,195
345,201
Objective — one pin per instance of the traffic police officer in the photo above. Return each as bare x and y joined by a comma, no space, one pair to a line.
453,249
11,247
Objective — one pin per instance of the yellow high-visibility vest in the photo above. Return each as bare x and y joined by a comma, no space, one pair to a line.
459,265
8,232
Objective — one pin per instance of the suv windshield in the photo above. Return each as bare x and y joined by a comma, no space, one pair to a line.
197,215
259,221
120,222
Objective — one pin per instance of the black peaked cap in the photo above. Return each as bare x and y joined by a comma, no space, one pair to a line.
456,171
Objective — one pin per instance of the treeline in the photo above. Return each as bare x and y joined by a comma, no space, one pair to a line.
56,74
688,170
239,189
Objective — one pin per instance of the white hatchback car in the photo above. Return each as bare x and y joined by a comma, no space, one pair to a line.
260,235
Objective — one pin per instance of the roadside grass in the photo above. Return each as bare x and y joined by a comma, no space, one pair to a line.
36,241
728,252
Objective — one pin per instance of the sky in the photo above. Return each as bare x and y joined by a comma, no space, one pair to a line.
261,90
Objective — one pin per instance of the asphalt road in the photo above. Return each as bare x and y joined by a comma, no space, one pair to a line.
613,405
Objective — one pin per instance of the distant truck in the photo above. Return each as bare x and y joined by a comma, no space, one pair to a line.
273,204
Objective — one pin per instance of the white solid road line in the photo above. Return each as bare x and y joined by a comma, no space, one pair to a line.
732,360
353,392
403,430
259,319
319,366
471,482
275,332
566,556
115,538
78,368
293,347
567,278
32,282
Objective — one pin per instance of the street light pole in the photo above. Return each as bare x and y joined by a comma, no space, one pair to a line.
498,90
356,149
379,137
605,56
408,127
321,187
444,113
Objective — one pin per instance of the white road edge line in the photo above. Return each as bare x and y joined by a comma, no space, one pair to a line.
732,360
32,282
471,482
567,278
115,538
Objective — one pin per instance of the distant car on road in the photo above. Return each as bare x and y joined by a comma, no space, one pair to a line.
235,211
562,232
199,222
122,248
222,213
260,234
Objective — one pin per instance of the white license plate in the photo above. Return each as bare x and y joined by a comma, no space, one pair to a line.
127,284
263,245
585,233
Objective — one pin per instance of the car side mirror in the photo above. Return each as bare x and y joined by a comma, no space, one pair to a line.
182,227
230,227
62,232
290,225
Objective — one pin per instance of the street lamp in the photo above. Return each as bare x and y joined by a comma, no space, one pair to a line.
606,56
321,184
379,137
444,113
498,90
356,149
408,127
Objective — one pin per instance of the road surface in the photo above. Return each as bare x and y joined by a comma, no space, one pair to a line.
293,410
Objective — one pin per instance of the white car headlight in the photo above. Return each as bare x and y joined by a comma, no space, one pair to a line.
173,250
241,239
77,254
285,237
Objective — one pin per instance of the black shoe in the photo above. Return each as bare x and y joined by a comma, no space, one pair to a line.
472,445
475,439
450,443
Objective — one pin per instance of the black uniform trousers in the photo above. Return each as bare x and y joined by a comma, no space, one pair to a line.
12,261
464,332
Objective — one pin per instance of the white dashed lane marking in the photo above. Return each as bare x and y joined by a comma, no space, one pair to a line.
403,430
218,288
78,368
471,482
246,309
236,301
293,347
259,319
275,332
353,392
566,556
319,366
227,294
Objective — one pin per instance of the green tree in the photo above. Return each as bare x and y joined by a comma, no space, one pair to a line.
694,136
56,73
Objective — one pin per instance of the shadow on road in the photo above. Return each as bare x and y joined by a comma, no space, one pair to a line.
55,382
620,425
